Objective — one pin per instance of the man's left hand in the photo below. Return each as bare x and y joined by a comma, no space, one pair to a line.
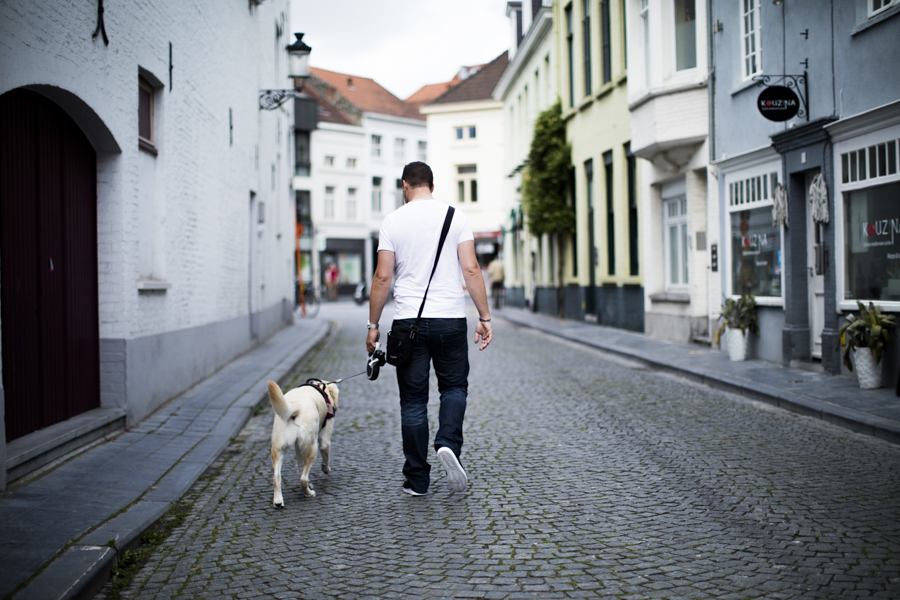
483,333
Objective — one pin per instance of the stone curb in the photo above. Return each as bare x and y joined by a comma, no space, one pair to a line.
848,418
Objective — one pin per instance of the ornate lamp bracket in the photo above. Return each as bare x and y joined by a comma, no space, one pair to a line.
796,83
272,99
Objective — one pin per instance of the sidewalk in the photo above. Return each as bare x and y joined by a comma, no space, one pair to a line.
64,525
837,400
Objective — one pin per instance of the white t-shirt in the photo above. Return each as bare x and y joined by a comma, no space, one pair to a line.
412,233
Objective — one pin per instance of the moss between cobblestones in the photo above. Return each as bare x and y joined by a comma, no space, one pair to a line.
131,561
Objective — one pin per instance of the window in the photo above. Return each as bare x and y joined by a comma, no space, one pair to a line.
878,6
675,243
461,132
398,200
376,194
610,214
645,39
605,41
750,36
145,114
301,153
351,204
634,264
872,244
423,151
879,160
399,150
472,132
351,163
329,161
376,145
586,32
755,243
466,183
329,202
570,46
685,35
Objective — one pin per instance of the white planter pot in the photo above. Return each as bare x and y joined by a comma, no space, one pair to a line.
867,372
737,344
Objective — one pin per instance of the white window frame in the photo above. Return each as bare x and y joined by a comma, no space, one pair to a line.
329,161
680,221
351,204
675,70
423,151
465,180
376,195
328,202
376,146
753,36
351,163
885,5
736,177
644,8
856,144
399,150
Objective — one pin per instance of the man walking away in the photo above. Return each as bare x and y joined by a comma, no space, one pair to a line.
408,241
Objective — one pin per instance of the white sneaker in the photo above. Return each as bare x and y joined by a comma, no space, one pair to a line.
408,489
456,475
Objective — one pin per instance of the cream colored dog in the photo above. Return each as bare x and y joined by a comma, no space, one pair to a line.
301,419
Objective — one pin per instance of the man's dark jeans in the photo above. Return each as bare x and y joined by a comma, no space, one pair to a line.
442,342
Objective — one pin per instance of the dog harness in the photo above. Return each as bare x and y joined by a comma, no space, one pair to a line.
319,385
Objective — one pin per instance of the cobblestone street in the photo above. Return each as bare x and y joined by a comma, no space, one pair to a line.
589,477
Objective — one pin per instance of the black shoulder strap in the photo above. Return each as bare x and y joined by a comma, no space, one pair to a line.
446,228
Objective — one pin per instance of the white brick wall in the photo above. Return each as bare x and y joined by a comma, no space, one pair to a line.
223,54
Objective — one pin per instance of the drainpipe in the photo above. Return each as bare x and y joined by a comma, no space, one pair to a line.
711,140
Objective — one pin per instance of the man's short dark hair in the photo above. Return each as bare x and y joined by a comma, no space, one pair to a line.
417,174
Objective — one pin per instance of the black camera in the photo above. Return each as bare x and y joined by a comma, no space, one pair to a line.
375,362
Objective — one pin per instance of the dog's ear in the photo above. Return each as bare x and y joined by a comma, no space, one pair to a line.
332,390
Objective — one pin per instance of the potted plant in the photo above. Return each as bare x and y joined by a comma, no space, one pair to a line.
869,329
737,317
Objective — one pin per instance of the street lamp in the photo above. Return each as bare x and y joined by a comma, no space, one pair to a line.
298,70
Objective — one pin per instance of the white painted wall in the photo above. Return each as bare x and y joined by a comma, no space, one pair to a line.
180,220
486,151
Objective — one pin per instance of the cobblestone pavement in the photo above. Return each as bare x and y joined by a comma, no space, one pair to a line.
589,478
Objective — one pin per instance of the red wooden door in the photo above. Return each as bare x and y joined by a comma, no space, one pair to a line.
48,264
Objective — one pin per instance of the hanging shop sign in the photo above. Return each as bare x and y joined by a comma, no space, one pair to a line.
778,103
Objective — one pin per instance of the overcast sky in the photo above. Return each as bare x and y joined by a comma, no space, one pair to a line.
401,44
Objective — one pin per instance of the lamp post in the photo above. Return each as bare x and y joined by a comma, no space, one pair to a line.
298,69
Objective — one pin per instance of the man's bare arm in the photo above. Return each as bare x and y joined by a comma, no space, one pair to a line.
475,285
381,288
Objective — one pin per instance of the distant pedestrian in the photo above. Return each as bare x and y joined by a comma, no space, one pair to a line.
332,276
495,272
408,240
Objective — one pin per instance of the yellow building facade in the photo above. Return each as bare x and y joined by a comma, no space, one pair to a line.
603,274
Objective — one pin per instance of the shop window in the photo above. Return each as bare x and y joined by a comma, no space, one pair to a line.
872,162
754,242
872,243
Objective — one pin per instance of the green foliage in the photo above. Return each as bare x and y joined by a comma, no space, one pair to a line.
546,178
868,330
739,314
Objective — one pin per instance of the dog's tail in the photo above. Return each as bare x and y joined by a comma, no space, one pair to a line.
279,404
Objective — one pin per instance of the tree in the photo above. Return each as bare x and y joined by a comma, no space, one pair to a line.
545,183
